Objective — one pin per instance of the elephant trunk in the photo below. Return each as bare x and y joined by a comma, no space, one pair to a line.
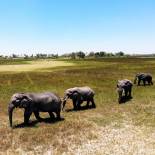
64,101
10,111
120,91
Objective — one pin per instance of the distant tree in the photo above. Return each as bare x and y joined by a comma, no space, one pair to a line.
91,54
97,54
41,56
120,53
81,54
55,56
110,55
73,55
102,54
14,56
26,56
65,55
37,55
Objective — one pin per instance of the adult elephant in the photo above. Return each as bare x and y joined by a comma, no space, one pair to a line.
35,103
79,95
145,77
124,88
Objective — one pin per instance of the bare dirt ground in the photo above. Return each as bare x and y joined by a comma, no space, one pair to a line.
127,140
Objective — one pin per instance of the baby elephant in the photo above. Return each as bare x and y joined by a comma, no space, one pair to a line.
35,103
78,95
145,77
124,86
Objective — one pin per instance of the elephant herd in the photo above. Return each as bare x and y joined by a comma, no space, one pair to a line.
125,86
51,103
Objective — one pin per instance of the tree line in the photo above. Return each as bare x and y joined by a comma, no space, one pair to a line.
25,56
101,54
74,55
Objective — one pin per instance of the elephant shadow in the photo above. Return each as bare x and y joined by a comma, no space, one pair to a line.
142,85
82,108
32,123
125,99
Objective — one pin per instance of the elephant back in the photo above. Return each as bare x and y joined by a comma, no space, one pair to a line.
124,83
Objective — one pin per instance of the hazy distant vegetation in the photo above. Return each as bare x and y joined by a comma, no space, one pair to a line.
76,55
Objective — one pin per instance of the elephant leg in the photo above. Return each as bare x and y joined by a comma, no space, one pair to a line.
93,103
144,82
58,115
130,92
36,113
126,93
150,82
139,82
74,104
79,104
27,115
87,103
51,115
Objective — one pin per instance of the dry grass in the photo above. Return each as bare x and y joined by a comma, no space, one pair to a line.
109,129
38,65
129,139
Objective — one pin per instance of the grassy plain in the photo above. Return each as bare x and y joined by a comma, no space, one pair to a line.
111,128
27,66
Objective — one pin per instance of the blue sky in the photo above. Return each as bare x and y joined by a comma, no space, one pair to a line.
60,26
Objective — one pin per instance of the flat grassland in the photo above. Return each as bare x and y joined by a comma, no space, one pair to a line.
27,66
111,128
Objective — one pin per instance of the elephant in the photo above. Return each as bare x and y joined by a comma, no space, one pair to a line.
35,103
78,96
124,86
145,77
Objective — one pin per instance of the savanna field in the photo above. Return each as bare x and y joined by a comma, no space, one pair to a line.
111,128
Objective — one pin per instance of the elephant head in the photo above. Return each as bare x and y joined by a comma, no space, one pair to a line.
139,76
19,100
71,93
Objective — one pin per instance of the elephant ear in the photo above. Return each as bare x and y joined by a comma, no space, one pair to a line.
69,93
27,98
78,95
16,99
25,102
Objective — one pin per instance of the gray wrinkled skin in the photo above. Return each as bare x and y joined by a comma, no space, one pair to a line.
35,103
79,95
124,87
145,77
